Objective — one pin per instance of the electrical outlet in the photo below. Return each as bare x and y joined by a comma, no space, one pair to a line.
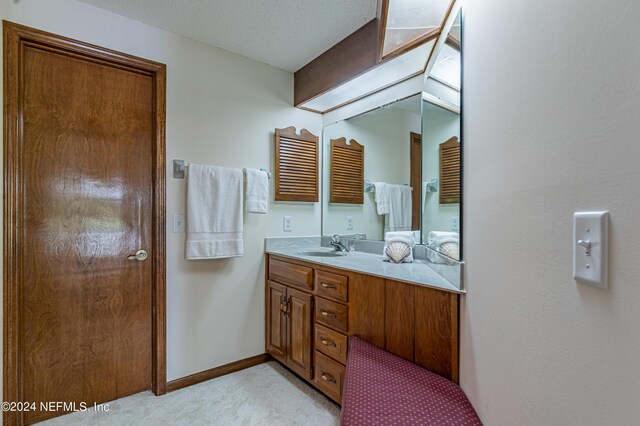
455,223
349,223
287,224
178,223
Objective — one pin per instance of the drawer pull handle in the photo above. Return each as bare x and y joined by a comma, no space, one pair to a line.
327,314
327,342
327,377
330,286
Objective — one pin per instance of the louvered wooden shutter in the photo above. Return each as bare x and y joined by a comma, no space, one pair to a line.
347,172
450,171
296,171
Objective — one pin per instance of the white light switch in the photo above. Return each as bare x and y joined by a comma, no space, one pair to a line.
591,248
178,223
349,223
455,223
287,224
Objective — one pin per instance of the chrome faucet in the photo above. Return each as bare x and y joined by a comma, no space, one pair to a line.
337,244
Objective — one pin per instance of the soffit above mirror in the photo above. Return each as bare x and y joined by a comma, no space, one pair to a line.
388,73
393,48
440,82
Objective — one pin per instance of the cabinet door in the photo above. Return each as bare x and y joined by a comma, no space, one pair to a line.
276,321
299,333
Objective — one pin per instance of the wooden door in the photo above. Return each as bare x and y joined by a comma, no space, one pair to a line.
85,162
415,160
299,315
276,321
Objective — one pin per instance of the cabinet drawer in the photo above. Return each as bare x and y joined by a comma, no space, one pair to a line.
290,273
329,376
331,343
331,314
332,286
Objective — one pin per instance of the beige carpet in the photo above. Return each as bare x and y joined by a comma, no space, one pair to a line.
266,394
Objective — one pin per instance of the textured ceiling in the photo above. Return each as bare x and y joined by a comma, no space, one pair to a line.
286,34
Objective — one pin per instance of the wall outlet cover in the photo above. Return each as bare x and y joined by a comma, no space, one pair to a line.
349,223
287,223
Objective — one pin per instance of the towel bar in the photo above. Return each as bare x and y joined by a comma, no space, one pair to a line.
179,169
370,187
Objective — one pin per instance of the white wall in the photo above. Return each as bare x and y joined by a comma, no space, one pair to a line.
221,109
438,126
385,136
551,102
552,96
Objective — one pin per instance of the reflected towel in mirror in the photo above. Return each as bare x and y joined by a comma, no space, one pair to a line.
381,197
443,242
400,213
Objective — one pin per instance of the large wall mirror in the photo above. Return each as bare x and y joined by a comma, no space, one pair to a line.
414,147
442,149
389,141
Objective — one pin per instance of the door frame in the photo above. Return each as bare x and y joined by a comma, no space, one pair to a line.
15,38
416,208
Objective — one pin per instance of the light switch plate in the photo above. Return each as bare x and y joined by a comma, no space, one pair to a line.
455,223
349,223
178,223
591,248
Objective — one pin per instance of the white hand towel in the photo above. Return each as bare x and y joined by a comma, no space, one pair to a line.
214,212
381,197
436,238
257,191
399,217
406,237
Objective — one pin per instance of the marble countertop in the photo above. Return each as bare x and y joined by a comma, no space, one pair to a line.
417,272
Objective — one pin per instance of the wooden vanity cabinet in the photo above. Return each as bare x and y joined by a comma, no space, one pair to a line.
276,324
311,310
289,327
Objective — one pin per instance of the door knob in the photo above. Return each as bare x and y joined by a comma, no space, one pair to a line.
140,255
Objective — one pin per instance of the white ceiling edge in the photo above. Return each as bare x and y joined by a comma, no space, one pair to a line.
286,34
387,73
410,87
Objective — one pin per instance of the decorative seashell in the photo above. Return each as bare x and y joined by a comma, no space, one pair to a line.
450,250
397,251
